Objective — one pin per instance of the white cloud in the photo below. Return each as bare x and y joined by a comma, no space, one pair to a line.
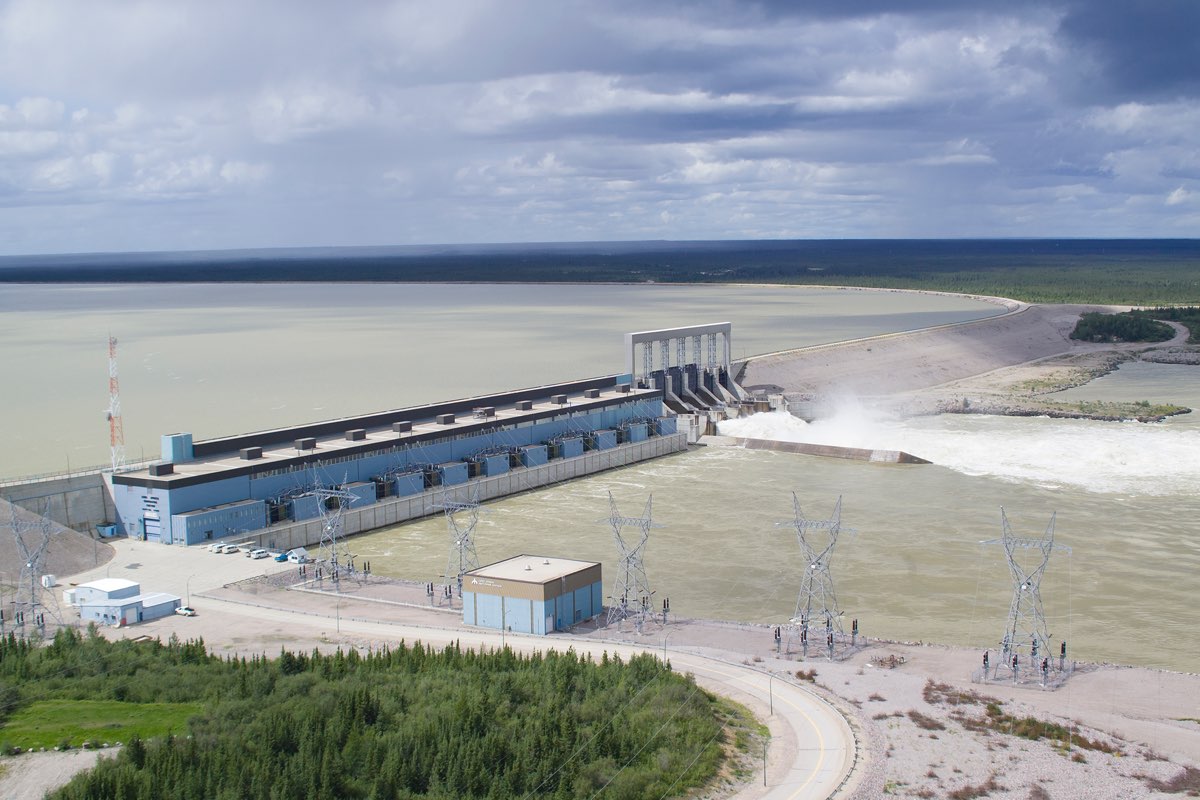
1178,196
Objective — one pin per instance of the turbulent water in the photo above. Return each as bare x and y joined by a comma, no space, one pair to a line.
1124,496
219,360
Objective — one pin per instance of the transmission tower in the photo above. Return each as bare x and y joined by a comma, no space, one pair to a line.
32,538
631,590
116,428
817,600
461,518
334,556
1025,633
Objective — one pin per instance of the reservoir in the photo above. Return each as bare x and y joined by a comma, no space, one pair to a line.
222,359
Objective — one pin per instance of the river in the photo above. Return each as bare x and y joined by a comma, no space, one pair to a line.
1125,495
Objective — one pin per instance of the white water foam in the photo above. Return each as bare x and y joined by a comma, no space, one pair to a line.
1104,457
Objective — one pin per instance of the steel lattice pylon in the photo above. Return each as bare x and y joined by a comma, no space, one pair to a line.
631,582
1026,629
32,538
334,556
461,519
817,597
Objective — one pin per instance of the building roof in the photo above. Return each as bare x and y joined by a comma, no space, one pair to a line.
220,458
108,585
150,599
530,569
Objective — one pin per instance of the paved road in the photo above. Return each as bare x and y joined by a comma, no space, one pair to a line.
812,746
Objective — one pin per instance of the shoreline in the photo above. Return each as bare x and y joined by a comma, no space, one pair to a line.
919,722
1002,365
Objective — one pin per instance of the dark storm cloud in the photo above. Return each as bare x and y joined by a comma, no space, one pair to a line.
146,125
1145,49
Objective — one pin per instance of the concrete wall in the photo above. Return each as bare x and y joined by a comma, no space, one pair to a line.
80,502
394,510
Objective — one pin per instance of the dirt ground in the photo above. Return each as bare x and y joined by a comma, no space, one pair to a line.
919,711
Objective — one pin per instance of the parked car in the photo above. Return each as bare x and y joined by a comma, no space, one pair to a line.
282,558
257,553
186,611
229,548
216,547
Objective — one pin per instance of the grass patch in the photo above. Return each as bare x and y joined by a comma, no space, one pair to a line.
925,722
996,719
944,693
50,723
980,790
807,675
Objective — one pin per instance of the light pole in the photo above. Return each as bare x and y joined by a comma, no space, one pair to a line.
771,690
188,590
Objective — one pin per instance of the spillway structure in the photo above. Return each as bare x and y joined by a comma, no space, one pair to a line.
691,366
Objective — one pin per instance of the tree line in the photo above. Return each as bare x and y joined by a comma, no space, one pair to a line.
407,721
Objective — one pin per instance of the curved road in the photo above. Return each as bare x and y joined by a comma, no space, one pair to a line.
814,745
812,748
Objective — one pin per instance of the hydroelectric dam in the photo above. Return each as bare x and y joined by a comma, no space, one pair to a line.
268,488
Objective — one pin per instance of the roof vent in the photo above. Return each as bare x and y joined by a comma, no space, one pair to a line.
559,399
622,388
528,568
524,405
309,443
158,470
591,394
250,453
356,434
445,419
546,561
402,427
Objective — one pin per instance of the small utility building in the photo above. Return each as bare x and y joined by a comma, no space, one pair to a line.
118,602
532,594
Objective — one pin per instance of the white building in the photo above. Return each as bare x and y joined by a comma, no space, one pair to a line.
118,602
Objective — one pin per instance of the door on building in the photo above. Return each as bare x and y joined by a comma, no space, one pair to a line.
152,526
549,623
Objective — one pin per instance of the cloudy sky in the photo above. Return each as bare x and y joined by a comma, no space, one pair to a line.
195,124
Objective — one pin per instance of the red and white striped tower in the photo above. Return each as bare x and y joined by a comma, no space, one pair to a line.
116,428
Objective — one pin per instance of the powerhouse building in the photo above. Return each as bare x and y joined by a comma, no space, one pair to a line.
532,594
259,486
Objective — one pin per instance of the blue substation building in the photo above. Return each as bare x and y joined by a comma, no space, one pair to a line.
532,594
214,489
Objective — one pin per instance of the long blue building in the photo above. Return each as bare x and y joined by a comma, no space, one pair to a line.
259,486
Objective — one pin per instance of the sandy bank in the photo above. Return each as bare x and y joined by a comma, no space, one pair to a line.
1002,360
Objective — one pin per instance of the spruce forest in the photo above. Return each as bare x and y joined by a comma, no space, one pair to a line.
401,722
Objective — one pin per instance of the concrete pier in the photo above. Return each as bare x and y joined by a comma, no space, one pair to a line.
825,450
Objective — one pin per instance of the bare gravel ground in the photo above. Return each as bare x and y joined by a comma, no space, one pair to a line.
913,742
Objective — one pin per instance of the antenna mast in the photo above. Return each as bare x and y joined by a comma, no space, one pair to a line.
116,427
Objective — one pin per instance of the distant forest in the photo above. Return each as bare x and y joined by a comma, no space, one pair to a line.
401,722
1134,272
